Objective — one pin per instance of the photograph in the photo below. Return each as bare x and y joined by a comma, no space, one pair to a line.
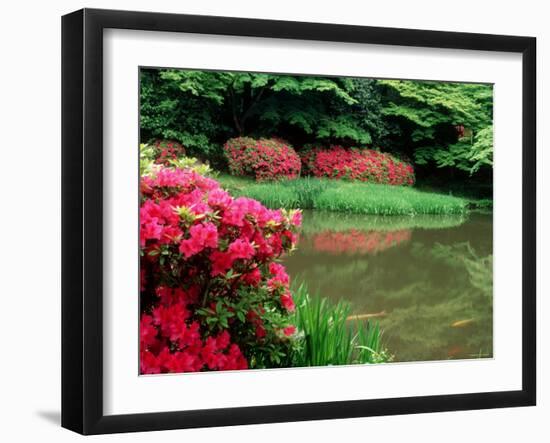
291,220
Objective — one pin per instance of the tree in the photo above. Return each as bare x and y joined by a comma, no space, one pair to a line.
368,110
435,124
170,110
201,109
449,124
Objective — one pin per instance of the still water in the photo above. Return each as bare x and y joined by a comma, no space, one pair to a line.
427,280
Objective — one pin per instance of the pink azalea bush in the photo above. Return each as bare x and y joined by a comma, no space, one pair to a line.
364,165
167,150
213,296
263,159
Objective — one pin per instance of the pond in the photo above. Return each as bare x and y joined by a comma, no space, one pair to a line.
427,280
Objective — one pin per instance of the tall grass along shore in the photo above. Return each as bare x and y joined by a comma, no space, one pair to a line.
342,196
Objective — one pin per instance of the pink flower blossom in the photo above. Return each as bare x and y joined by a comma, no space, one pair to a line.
241,249
192,234
365,165
264,159
289,330
287,301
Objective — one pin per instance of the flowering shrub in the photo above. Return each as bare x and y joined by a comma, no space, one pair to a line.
213,296
166,150
263,159
173,154
356,164
356,242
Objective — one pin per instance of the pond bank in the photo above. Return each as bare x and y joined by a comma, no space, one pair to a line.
342,196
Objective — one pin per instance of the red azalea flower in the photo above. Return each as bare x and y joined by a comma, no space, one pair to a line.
241,249
147,332
148,363
289,330
253,277
260,331
356,164
287,301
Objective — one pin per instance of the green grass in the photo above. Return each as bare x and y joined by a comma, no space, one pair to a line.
329,338
362,198
234,183
482,204
342,196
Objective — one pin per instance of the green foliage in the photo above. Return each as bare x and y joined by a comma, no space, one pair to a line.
368,111
148,155
481,151
467,154
195,165
328,337
342,127
428,115
170,112
415,120
202,109
338,196
429,104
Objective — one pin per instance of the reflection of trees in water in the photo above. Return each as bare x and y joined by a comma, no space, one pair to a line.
451,320
480,269
424,287
424,331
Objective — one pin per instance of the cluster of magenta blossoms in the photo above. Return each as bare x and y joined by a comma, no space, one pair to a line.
365,165
167,150
263,159
212,294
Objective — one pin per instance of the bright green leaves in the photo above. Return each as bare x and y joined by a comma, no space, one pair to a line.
470,153
481,152
412,119
343,127
287,83
202,109
433,110
432,103
198,83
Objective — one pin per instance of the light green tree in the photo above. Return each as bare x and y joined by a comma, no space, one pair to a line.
449,124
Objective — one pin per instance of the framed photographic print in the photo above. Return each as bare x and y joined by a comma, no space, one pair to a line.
269,221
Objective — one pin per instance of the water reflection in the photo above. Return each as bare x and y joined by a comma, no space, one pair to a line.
429,279
353,241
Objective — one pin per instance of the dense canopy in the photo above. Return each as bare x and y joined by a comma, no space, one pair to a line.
439,126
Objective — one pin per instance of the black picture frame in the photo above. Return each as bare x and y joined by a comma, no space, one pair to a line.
82,218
